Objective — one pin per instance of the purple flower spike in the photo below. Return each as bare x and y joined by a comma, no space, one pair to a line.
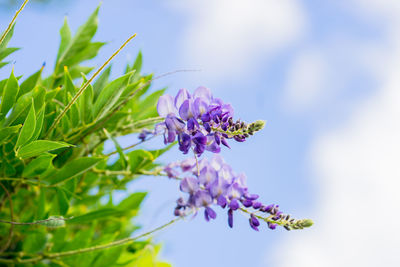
230,218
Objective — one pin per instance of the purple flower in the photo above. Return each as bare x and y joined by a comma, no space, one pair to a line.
230,218
165,106
189,185
209,213
217,185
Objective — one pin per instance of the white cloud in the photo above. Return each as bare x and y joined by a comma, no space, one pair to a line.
231,37
306,80
357,171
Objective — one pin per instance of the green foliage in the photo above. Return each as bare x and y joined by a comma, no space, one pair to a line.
63,171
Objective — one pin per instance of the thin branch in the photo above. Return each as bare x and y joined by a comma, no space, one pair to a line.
36,222
12,21
83,88
10,234
120,242
131,146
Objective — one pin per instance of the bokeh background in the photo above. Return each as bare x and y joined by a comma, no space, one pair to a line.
326,77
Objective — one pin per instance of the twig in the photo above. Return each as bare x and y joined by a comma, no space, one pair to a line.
36,222
12,21
120,242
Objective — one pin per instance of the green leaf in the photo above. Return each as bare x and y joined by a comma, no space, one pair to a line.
41,206
122,156
38,147
8,38
7,132
110,95
34,242
20,110
10,93
7,51
147,107
101,82
66,37
29,83
89,52
39,96
86,103
73,113
63,202
72,169
79,42
28,128
101,214
4,51
139,159
39,126
38,165
159,152
132,202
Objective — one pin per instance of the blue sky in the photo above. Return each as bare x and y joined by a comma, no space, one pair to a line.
323,76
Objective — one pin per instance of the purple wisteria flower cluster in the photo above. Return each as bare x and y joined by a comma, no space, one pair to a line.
213,183
200,121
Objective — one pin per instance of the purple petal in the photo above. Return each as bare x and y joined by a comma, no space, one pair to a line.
200,107
254,220
182,95
223,141
202,198
271,226
189,185
186,110
211,213
234,204
230,218
247,203
165,105
207,175
205,117
204,93
221,201
257,205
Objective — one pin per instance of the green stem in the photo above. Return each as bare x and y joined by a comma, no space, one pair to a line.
12,21
35,222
